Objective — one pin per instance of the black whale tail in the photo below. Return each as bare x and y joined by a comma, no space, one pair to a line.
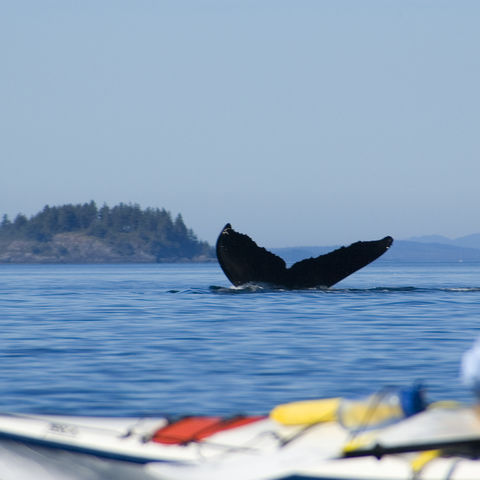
243,261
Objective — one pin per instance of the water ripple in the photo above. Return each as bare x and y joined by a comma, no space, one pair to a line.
177,339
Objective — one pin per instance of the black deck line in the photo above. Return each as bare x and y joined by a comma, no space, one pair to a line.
104,454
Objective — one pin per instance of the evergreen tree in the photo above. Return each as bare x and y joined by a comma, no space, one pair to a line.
125,227
5,221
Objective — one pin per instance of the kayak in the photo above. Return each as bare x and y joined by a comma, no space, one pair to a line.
191,447
176,448
311,440
440,443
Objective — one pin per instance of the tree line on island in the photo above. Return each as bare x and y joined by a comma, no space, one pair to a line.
124,232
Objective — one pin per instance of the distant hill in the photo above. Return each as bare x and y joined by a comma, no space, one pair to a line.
403,251
468,241
86,234
408,251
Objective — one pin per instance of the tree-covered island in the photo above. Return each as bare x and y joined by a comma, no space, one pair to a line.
84,233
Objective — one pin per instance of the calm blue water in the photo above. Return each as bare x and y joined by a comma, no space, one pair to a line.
176,339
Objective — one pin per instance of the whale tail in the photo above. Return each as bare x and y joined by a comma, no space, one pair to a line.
243,261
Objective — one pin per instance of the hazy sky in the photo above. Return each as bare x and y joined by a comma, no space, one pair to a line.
300,122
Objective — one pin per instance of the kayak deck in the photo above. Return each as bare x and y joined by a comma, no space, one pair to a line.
247,448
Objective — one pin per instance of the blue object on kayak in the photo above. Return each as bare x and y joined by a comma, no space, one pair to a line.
412,399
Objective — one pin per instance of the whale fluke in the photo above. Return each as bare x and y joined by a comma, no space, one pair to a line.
243,261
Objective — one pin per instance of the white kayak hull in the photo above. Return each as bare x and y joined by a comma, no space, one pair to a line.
77,448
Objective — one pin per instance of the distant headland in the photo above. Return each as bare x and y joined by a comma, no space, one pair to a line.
126,233
84,233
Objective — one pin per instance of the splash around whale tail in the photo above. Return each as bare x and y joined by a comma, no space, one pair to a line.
243,261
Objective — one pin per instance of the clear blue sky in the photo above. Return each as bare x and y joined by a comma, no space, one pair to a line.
300,122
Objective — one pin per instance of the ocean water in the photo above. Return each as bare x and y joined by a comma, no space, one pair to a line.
177,339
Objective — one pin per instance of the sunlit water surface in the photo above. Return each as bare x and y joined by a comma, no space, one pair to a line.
177,339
